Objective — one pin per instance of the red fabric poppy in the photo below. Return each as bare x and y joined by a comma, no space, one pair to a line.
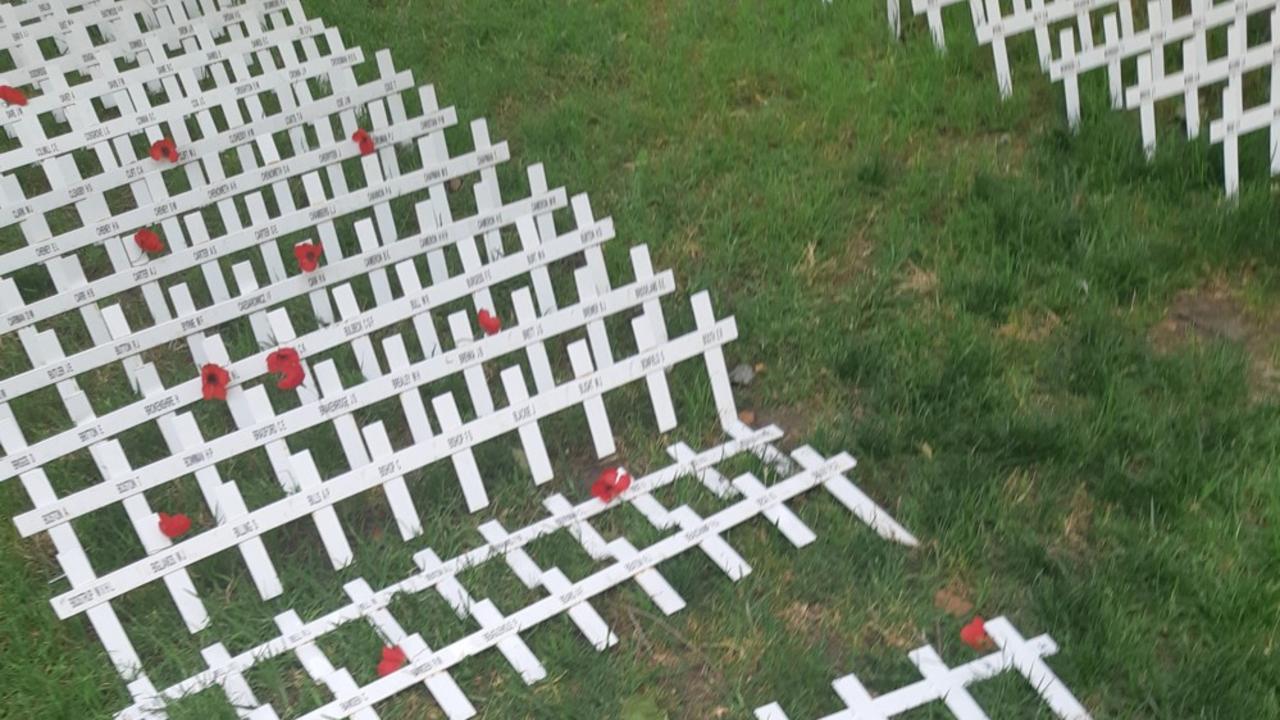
149,241
308,255
292,378
393,658
362,138
286,363
281,359
975,635
174,526
489,322
213,382
611,484
164,149
12,95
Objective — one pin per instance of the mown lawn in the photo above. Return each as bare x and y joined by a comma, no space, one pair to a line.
1055,361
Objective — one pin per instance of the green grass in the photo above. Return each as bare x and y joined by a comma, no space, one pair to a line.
955,289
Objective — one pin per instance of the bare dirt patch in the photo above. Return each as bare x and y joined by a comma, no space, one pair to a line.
795,420
918,280
956,599
897,633
1030,327
1217,313
807,619
1079,521
693,677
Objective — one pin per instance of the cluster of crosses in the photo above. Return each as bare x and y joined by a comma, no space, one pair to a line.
1209,44
235,239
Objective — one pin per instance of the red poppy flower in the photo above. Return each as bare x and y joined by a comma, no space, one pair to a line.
164,149
308,255
611,484
12,95
292,378
393,658
174,526
362,138
975,635
286,363
281,359
489,322
213,382
149,241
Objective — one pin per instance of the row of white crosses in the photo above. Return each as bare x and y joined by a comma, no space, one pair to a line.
173,26
62,174
942,684
324,399
618,561
1134,59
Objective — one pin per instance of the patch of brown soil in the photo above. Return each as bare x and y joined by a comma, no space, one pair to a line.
1030,327
805,618
1216,313
821,628
918,280
955,599
1079,521
903,635
832,275
1020,486
795,420
692,675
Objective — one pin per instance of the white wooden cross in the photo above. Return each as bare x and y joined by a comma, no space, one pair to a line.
949,685
1236,119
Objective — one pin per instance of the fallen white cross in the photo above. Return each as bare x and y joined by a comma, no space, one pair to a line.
949,685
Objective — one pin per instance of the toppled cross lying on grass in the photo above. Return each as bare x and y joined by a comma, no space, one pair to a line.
948,685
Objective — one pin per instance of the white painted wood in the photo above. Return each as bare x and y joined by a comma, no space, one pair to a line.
239,694
318,666
304,416
773,711
442,686
455,442
639,563
1027,657
1071,86
749,486
942,684
719,551
35,145
589,622
535,449
75,565
1185,34
314,342
857,501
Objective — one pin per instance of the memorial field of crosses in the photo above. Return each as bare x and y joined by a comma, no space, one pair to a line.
639,360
